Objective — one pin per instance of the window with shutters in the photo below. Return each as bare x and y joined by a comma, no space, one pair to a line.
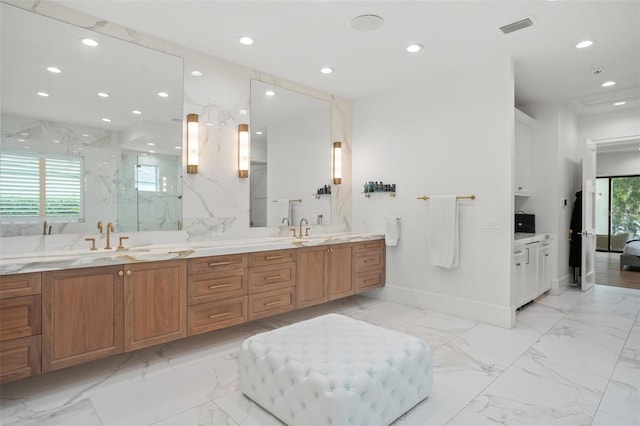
34,185
147,178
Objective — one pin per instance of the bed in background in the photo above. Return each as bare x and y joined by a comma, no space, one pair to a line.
630,254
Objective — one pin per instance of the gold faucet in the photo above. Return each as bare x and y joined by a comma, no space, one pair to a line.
300,233
110,229
100,226
44,228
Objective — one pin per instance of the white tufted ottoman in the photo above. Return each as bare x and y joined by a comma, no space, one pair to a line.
334,370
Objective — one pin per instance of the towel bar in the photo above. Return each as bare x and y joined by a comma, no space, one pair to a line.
459,197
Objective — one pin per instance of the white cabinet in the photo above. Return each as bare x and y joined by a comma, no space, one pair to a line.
531,272
544,266
522,154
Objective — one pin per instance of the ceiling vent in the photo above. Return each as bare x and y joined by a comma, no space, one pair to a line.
516,26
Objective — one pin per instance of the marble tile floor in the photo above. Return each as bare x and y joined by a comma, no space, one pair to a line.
571,359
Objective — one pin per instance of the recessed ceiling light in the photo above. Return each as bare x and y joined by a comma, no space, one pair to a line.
43,94
608,83
55,141
326,70
136,112
414,48
106,120
151,144
584,44
103,94
54,70
21,140
178,147
367,22
246,40
258,132
620,103
196,73
152,152
243,112
270,93
24,134
86,135
163,94
89,42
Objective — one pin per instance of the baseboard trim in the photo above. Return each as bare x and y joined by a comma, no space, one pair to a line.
560,285
502,316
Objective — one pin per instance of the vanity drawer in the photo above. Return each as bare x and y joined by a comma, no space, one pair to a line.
19,358
271,303
370,260
264,258
369,280
216,315
216,286
20,285
20,317
216,263
265,278
369,246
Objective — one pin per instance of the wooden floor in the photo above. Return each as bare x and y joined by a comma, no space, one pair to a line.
608,271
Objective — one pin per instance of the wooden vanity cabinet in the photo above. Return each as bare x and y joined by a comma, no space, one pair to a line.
20,326
82,315
324,273
272,282
155,302
369,265
216,292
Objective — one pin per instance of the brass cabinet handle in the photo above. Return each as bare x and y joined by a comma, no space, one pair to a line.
272,277
120,273
220,263
272,303
219,315
273,257
128,273
219,286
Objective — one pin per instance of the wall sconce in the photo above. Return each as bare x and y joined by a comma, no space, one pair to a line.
337,163
192,143
243,150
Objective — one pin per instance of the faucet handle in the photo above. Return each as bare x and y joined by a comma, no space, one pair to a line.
120,246
93,243
294,232
100,226
306,232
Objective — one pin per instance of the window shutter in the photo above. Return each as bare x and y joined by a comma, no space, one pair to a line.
64,187
19,185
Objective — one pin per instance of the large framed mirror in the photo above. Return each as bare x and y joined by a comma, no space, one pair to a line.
91,130
290,157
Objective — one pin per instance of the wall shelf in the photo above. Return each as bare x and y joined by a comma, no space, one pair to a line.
389,193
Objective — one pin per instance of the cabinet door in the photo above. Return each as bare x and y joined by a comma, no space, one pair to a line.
81,316
517,286
522,159
544,257
339,277
154,303
310,277
531,272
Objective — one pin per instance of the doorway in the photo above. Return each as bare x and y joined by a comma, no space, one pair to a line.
617,211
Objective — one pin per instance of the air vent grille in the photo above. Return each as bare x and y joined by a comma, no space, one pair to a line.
516,26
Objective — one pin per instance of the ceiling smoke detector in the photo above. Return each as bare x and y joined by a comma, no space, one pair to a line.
597,71
367,22
516,26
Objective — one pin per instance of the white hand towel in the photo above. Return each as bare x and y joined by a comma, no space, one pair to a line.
443,231
392,230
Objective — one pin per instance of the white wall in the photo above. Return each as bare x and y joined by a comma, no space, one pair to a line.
450,135
616,124
555,171
618,163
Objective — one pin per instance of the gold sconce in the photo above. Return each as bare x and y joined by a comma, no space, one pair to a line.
192,143
337,163
243,150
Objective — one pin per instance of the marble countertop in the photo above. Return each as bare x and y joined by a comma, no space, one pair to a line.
522,238
50,260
